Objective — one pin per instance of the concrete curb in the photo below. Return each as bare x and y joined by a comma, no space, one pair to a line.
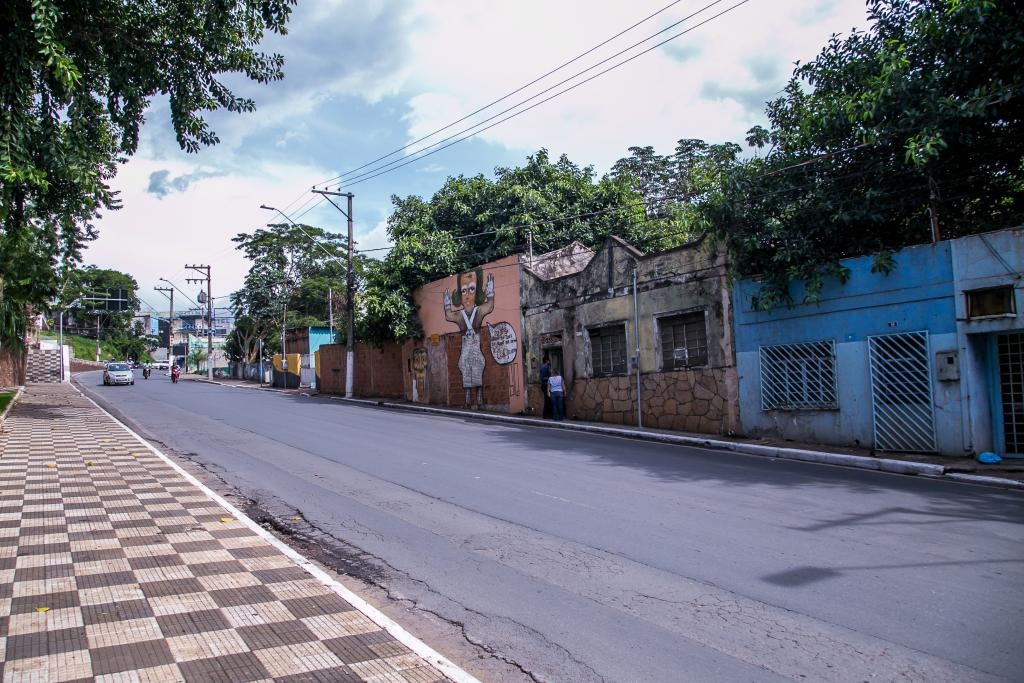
986,481
837,459
17,395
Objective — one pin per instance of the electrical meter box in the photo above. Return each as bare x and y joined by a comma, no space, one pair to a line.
948,364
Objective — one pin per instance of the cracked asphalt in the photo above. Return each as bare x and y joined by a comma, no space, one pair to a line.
556,556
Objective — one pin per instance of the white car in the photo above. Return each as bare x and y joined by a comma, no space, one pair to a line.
161,365
118,373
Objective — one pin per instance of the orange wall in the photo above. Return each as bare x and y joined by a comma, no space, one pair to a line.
507,310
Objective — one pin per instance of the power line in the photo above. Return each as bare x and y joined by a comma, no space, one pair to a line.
514,92
288,207
455,139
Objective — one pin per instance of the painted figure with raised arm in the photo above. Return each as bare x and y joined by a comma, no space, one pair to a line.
467,307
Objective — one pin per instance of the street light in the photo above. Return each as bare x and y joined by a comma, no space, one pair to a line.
350,286
350,283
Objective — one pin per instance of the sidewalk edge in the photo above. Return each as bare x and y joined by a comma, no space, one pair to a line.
17,395
431,656
840,459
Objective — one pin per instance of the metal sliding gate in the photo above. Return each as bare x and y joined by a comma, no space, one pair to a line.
1011,390
901,392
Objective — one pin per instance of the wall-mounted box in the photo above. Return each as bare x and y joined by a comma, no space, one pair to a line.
948,365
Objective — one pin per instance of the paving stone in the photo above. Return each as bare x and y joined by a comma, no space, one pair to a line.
114,567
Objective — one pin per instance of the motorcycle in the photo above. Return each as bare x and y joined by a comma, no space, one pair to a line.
146,372
175,374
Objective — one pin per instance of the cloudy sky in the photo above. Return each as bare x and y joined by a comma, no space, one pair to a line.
364,79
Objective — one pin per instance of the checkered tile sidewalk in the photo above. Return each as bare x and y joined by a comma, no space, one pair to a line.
114,567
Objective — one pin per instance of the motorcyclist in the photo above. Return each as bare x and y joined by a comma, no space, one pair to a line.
175,373
145,372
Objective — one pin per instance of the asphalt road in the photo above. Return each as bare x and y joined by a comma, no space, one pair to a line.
582,557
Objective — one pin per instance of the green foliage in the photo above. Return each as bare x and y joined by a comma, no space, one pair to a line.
677,187
89,286
298,268
919,116
76,80
5,399
85,348
470,221
194,358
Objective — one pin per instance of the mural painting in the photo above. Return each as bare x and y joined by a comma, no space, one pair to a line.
472,328
504,345
467,308
420,360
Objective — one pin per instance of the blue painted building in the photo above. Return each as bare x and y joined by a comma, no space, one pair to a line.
893,362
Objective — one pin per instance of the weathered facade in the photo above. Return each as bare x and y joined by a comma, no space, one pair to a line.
928,358
639,338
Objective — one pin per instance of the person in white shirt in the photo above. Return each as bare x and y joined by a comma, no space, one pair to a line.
556,390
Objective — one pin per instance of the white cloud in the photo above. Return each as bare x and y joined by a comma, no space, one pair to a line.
465,56
155,235
361,77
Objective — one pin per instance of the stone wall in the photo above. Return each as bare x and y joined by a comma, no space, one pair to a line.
603,399
691,400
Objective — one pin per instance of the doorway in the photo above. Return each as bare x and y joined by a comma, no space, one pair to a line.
1010,353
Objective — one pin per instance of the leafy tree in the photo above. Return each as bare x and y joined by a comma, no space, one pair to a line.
913,126
242,344
195,357
77,79
90,286
293,268
674,188
474,220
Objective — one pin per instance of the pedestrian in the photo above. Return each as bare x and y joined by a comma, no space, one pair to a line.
545,373
556,390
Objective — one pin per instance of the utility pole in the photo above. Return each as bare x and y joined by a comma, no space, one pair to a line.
330,311
169,292
209,314
350,285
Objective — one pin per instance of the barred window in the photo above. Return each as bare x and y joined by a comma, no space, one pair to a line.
684,341
608,350
799,376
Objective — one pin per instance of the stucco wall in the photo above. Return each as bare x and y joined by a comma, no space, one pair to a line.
502,362
915,297
685,280
981,262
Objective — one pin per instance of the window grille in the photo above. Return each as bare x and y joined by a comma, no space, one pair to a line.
608,350
901,392
799,376
684,341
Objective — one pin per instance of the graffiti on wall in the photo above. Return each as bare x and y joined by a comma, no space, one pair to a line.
467,306
419,372
503,343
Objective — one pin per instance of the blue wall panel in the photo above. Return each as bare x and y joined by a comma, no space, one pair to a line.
917,295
